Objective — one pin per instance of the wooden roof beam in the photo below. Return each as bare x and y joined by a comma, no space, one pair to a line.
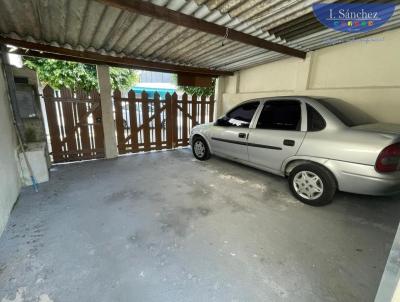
52,52
171,16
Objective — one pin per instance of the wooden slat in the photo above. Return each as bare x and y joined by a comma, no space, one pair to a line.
140,128
69,123
184,120
188,115
97,120
203,109
119,120
51,113
174,117
211,109
133,121
194,110
145,120
169,120
83,126
157,121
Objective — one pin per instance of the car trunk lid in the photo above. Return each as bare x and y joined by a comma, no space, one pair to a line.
382,128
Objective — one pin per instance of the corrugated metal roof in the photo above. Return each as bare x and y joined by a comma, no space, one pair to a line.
91,25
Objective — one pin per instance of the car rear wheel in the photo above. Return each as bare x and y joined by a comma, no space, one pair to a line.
200,148
312,184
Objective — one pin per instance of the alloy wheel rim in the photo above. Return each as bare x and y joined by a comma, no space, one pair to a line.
199,149
308,185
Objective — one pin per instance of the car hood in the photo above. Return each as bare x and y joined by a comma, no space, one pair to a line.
203,126
382,128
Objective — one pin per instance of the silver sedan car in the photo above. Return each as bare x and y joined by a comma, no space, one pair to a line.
321,145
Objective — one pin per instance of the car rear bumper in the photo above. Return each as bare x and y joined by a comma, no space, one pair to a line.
363,179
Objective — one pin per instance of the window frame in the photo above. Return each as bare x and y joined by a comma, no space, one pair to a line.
303,113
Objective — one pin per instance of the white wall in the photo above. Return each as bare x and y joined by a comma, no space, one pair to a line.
365,74
9,175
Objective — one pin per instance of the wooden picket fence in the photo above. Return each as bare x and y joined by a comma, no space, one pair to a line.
75,126
145,124
142,123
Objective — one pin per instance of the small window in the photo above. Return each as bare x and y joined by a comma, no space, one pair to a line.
241,116
280,115
315,122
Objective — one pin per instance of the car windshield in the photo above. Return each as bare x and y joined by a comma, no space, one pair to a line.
350,115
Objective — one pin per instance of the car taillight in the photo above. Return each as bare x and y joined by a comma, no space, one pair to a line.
389,159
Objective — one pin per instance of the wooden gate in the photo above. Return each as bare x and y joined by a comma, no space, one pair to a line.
145,124
75,127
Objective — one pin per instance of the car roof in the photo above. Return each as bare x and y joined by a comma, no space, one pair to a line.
312,100
285,98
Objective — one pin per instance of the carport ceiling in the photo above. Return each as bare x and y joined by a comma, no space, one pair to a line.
108,28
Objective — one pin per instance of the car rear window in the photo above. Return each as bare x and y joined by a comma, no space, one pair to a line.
315,122
349,115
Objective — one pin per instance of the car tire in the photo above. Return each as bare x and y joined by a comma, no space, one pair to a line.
312,184
200,148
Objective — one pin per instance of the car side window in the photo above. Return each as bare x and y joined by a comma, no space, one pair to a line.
241,116
315,122
280,115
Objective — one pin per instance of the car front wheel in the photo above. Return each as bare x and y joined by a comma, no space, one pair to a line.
200,148
312,184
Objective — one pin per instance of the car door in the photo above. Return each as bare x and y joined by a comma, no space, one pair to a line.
277,134
229,135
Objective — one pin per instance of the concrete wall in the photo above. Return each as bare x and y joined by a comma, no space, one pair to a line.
365,74
9,175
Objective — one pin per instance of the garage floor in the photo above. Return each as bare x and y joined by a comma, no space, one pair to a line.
164,227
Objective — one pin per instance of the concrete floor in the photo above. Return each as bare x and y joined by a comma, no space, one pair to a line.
165,227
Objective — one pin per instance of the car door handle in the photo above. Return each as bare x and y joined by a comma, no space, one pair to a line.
289,142
242,135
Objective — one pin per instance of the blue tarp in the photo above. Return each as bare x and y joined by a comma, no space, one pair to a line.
150,91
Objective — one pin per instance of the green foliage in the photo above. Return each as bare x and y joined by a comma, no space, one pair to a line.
190,90
207,91
73,75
